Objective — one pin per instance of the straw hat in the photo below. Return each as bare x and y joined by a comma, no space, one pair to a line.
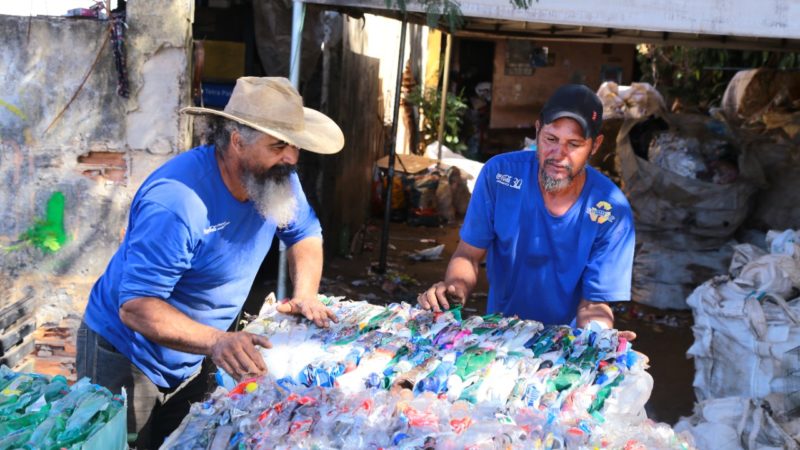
273,106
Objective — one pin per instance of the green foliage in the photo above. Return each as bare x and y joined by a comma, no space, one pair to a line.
698,76
435,10
449,10
429,103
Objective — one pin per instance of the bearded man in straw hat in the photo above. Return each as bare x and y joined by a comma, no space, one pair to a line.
199,228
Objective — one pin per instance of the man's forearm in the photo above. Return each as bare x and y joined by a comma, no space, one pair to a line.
597,311
165,325
305,267
464,272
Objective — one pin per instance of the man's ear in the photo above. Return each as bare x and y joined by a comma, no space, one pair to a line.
235,141
598,141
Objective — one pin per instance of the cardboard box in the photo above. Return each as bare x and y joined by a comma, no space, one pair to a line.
224,60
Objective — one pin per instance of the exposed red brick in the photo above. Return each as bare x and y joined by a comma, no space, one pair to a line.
108,159
104,166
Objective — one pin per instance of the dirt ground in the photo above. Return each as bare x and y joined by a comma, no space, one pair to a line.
664,336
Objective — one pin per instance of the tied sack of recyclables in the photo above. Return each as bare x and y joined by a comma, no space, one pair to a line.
401,377
747,326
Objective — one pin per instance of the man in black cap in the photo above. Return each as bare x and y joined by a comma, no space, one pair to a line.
558,235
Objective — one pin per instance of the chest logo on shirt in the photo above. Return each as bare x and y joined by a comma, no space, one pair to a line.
508,180
216,227
600,213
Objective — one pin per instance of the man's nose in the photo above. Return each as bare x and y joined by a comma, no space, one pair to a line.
290,155
559,149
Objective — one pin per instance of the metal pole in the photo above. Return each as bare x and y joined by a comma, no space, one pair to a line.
445,87
298,16
326,65
393,144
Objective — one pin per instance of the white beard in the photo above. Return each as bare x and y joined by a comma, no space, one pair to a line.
274,199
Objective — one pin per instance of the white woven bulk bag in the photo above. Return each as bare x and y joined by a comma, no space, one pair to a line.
747,336
735,423
742,255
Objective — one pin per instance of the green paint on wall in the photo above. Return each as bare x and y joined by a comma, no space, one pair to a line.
48,235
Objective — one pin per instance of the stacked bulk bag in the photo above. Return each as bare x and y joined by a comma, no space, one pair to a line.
688,210
664,277
765,105
735,423
747,338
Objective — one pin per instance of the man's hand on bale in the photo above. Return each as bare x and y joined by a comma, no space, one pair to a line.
441,295
236,354
310,308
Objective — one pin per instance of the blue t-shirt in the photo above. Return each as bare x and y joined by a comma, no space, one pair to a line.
540,266
192,244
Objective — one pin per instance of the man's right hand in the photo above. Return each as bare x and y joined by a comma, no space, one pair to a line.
441,295
236,354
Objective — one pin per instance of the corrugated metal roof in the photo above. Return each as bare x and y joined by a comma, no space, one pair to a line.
742,24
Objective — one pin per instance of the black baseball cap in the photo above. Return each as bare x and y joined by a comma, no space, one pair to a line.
577,102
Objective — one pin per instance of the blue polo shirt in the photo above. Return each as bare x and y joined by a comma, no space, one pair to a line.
192,244
540,266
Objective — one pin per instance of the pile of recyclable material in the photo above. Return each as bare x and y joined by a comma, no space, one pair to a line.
401,377
43,413
712,160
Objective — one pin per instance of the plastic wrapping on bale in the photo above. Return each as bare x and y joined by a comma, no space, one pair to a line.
401,377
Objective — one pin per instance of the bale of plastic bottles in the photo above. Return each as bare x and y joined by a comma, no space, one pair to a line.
401,377
38,412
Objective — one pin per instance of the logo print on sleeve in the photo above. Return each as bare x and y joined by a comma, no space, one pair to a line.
601,213
216,227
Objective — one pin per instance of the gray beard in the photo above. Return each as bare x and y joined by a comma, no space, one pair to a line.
273,199
550,184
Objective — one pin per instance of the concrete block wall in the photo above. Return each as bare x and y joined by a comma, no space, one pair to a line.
99,150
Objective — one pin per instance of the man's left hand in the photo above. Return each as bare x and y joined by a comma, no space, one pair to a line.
310,308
